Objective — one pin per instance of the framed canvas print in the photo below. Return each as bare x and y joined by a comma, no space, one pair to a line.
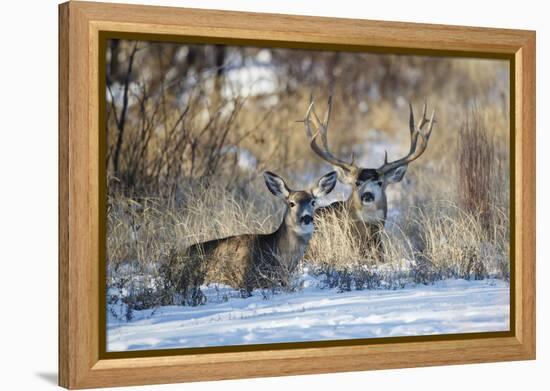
301,194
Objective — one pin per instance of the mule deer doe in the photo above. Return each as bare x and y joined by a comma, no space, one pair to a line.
367,206
253,261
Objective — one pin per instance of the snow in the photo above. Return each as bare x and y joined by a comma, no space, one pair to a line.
315,314
245,159
252,80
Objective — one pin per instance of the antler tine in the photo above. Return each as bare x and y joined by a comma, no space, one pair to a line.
322,129
323,126
423,120
411,119
430,127
417,148
327,114
319,129
306,120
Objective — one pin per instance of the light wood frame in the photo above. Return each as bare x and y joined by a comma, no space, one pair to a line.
80,24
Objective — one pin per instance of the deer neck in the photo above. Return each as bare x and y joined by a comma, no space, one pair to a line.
291,232
290,241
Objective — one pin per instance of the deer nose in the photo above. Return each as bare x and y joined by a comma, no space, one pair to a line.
367,197
306,219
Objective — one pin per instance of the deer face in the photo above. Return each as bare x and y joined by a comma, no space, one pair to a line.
369,184
300,203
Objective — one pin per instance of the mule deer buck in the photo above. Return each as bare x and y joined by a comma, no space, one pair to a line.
367,205
253,261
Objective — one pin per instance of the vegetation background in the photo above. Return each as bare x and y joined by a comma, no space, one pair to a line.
190,128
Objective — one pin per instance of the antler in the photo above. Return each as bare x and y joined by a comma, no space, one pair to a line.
322,129
419,138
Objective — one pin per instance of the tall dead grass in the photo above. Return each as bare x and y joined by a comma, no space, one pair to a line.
147,239
436,241
143,229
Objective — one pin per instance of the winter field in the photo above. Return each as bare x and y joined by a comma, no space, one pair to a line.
191,129
315,314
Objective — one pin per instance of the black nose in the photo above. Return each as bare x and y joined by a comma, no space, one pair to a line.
307,219
367,197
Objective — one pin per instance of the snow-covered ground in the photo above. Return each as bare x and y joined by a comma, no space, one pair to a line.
314,314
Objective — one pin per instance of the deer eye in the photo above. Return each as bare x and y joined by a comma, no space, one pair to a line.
379,183
291,204
312,203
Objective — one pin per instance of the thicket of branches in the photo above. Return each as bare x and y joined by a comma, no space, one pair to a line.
176,112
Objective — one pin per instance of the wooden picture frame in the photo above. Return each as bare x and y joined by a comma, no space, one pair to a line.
81,25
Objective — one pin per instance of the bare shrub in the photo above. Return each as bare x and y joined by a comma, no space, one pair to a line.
476,174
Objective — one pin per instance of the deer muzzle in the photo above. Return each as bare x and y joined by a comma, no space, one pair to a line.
306,219
367,197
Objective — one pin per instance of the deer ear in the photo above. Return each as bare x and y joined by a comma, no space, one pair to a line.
396,175
276,185
325,185
344,176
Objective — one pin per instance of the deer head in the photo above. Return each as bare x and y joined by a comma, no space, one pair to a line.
300,203
368,184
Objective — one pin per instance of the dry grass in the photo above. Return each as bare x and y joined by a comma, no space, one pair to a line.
436,241
456,243
143,230
147,239
147,242
336,253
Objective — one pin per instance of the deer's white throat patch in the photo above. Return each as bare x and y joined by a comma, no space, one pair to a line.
370,213
304,229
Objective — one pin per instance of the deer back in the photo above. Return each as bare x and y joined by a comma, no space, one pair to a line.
246,261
